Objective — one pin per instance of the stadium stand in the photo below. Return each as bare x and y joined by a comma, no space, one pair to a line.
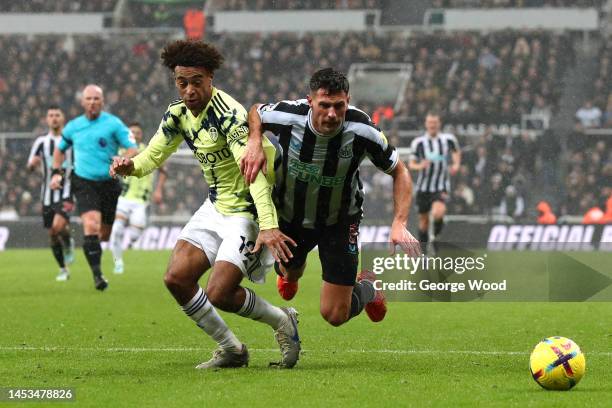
515,3
57,6
259,5
601,91
467,77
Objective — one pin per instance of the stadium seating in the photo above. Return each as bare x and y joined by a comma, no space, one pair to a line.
467,76
259,5
516,3
601,91
57,6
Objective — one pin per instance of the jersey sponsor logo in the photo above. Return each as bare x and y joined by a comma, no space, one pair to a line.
213,157
295,144
238,133
311,173
102,142
435,157
346,152
214,134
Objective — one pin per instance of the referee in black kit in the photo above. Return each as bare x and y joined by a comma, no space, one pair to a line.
436,156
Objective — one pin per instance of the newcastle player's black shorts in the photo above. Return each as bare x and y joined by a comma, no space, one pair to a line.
338,250
425,200
99,196
49,211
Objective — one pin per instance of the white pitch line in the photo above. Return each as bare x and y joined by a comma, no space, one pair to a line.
195,349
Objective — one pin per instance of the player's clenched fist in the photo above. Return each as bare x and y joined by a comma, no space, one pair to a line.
121,166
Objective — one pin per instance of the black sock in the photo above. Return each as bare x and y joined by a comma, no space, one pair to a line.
58,251
363,293
93,253
423,238
438,225
65,236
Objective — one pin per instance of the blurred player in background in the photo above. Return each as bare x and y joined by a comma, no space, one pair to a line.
224,231
56,204
318,193
95,138
436,156
133,204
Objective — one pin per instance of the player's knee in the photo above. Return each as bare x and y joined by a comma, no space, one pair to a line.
335,316
174,280
91,227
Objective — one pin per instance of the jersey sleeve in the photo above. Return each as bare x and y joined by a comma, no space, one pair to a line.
234,126
66,141
381,153
165,142
35,150
275,115
416,150
453,144
124,136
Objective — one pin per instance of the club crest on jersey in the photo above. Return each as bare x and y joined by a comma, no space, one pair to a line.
214,134
346,152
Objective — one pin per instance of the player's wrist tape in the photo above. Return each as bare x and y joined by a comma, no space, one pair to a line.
57,171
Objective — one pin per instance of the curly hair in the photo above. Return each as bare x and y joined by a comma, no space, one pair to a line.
329,79
190,53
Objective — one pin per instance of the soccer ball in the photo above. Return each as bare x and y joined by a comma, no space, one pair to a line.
557,363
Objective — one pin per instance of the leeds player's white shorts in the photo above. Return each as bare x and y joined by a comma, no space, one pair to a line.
136,213
228,238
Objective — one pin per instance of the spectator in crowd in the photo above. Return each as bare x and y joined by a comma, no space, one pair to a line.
588,116
57,6
512,204
545,213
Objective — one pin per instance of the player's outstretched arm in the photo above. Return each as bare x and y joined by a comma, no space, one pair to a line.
254,158
276,242
402,198
121,166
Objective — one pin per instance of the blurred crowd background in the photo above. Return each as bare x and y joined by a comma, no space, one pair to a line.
489,79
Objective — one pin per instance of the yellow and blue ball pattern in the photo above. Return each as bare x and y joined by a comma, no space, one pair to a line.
557,363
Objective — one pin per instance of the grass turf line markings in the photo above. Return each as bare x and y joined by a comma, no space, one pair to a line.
260,350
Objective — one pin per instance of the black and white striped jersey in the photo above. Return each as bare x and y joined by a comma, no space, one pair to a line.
43,147
437,150
317,181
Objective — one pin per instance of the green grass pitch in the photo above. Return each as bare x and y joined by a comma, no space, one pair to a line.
132,346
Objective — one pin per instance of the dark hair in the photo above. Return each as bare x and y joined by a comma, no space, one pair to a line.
329,79
190,53
53,107
135,123
434,113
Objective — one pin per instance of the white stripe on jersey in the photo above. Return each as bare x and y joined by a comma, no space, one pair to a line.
437,150
318,183
43,147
